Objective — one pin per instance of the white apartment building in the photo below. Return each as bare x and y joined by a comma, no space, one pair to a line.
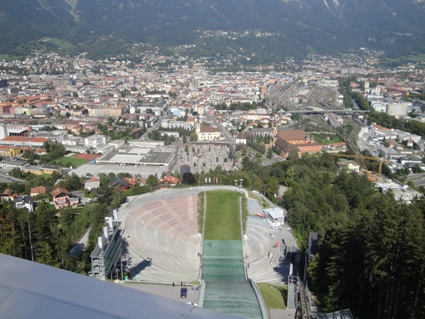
72,140
96,140
397,108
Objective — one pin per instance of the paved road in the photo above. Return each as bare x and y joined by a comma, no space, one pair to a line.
156,126
6,179
167,291
225,132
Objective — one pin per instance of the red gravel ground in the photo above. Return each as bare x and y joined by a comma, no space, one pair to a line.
87,156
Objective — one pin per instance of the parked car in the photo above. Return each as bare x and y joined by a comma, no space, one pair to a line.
183,293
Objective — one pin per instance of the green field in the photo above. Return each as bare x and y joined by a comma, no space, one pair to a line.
222,216
419,57
63,44
274,296
71,161
323,138
8,57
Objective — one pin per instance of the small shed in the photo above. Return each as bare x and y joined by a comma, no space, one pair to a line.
275,215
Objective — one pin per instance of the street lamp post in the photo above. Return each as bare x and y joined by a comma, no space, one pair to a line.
121,267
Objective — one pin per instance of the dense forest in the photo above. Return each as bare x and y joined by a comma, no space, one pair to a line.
371,248
49,236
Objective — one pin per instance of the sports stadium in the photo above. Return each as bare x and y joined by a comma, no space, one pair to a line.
169,241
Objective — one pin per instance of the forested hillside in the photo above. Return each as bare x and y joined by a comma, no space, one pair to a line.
295,27
48,235
371,248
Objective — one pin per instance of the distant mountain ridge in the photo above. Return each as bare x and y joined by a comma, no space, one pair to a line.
305,25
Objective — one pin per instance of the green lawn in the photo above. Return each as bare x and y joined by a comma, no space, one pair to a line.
8,57
222,216
274,296
61,44
323,138
71,161
420,57
416,57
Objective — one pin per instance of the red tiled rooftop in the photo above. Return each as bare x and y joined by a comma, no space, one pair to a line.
206,129
289,135
58,191
169,179
25,139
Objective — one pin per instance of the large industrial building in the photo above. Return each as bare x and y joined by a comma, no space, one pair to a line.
139,161
139,156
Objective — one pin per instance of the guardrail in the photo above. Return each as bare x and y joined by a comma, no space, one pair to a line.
264,311
202,294
200,254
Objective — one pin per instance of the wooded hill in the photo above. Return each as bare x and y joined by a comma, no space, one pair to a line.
298,26
371,247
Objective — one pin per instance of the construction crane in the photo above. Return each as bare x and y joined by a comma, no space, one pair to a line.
363,158
369,176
